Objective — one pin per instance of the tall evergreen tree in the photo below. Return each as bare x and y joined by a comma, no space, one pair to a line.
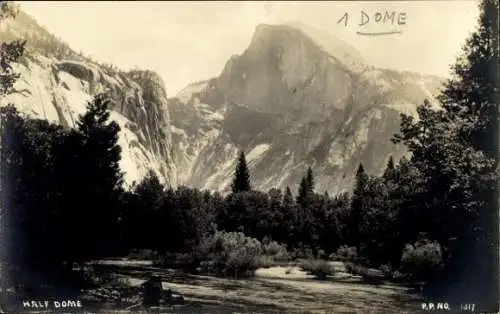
471,97
357,204
241,181
94,148
306,188
451,148
389,169
302,192
146,219
310,180
289,217
11,127
472,93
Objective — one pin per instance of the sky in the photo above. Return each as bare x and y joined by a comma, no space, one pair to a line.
191,41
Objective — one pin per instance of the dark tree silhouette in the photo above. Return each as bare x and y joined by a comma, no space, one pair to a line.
310,180
389,169
357,205
302,193
241,181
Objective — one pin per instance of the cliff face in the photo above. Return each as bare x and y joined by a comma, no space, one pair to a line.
58,91
56,84
294,98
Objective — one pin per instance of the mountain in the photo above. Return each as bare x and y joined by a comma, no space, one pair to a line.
56,83
296,97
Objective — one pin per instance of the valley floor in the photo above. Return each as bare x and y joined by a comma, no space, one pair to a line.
272,290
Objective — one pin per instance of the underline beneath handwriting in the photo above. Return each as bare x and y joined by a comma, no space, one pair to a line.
378,33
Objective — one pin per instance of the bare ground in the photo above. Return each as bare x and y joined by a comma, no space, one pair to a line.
273,290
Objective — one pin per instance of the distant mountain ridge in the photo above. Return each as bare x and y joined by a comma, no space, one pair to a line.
296,97
293,100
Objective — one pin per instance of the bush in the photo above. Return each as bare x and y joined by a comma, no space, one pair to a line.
386,269
302,253
267,261
230,254
333,257
421,261
321,254
397,276
347,254
276,251
308,253
355,269
320,269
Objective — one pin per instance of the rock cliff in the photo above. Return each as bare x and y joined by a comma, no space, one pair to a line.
296,97
56,84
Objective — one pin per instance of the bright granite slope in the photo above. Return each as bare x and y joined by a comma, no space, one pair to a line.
55,85
295,98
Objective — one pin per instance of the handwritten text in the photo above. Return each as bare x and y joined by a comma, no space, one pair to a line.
390,18
54,304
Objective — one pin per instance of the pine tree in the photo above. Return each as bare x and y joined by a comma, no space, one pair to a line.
389,168
450,148
289,216
11,132
147,217
302,193
310,181
241,181
470,99
472,93
306,188
96,151
357,205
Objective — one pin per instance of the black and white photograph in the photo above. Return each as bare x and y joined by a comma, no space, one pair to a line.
309,157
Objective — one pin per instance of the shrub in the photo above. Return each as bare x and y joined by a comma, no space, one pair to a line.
302,253
333,257
422,260
321,254
397,276
267,261
386,269
347,254
277,251
320,269
230,254
355,269
308,253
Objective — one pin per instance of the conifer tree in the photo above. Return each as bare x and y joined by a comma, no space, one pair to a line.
451,149
94,147
302,192
241,181
357,204
310,181
471,99
289,215
11,127
472,93
389,168
306,188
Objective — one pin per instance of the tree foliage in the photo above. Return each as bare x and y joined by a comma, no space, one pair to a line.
241,181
